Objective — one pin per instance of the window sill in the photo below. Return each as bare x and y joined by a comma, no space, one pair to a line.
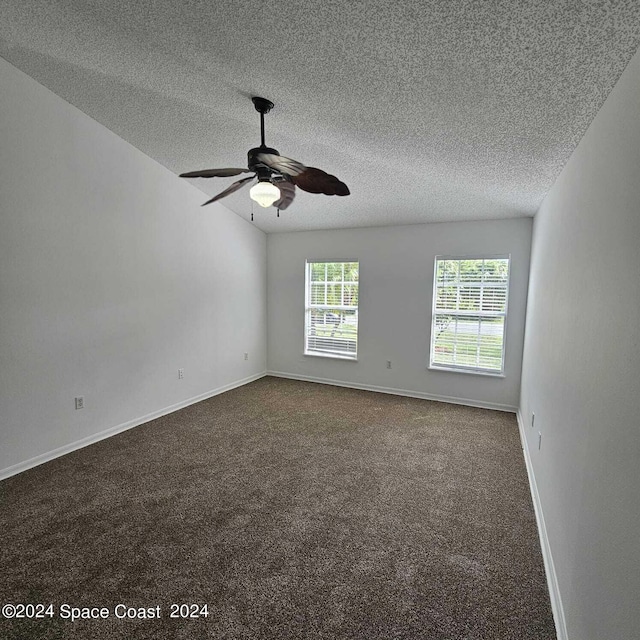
331,356
489,374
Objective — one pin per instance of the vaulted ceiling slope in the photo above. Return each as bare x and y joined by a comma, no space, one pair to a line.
430,110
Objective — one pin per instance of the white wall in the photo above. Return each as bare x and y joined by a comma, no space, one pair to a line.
396,289
111,278
581,371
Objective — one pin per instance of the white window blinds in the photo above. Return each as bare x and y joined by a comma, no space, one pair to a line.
469,313
331,309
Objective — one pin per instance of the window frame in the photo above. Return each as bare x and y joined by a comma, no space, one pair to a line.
455,368
308,306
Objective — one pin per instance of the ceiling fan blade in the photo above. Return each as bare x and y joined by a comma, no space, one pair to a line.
213,173
229,190
280,163
287,192
307,178
318,181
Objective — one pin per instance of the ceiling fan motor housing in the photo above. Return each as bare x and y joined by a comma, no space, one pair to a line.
262,171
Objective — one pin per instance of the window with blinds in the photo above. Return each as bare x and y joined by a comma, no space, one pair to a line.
469,314
331,309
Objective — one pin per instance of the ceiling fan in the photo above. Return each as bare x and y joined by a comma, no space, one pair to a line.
277,176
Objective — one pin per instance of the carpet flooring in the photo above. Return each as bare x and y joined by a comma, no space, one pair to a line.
289,509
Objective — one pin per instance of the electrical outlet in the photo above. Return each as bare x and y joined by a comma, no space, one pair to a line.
80,402
533,419
246,355
180,374
388,364
539,439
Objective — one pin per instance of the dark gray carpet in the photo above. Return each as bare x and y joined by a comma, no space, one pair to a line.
291,509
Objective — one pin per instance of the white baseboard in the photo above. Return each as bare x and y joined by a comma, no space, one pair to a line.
552,578
112,431
396,392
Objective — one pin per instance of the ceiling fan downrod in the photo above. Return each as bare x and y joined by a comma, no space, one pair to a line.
263,172
263,106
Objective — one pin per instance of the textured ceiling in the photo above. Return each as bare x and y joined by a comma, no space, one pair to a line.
430,110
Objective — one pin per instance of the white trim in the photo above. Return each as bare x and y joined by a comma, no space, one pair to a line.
334,356
475,372
112,431
550,570
397,392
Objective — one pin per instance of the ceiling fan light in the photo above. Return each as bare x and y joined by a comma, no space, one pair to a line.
264,193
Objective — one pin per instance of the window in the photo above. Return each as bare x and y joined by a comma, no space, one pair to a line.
331,309
469,314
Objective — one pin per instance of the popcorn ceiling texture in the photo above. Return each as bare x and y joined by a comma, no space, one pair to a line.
430,111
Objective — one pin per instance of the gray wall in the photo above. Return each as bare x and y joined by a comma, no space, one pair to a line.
396,289
581,371
111,278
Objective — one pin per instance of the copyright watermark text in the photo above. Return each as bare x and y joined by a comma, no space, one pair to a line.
121,611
